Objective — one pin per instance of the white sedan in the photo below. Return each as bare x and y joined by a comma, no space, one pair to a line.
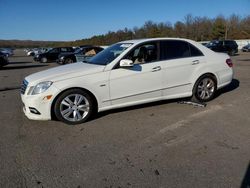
126,73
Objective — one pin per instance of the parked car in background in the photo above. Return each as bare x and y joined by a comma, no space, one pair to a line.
35,51
8,51
228,46
246,48
3,59
81,54
31,52
53,54
124,74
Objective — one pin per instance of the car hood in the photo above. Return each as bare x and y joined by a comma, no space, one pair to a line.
64,72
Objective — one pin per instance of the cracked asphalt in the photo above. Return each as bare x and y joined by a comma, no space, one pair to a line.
163,144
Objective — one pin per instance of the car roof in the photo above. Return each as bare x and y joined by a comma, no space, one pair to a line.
137,41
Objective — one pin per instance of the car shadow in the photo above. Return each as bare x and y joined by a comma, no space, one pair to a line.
9,88
246,180
244,60
21,62
21,67
135,107
232,86
237,54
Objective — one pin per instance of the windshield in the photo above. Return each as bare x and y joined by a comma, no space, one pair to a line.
109,54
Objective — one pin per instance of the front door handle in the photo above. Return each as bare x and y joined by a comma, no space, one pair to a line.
158,68
195,62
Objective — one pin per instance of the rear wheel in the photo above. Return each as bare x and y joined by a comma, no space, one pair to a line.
232,52
74,106
44,60
205,88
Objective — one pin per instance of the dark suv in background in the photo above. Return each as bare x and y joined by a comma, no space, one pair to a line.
82,54
3,59
53,54
227,46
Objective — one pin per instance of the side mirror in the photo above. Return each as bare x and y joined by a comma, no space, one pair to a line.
126,63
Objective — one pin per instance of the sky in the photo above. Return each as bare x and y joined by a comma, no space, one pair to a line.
66,20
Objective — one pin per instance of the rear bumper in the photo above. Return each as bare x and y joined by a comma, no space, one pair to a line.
225,77
4,62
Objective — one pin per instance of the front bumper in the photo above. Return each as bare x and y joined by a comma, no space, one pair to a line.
40,103
60,61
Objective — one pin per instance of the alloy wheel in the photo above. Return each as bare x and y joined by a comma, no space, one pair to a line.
74,107
206,88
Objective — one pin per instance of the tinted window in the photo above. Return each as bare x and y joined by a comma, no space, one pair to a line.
54,50
174,49
230,42
195,51
64,50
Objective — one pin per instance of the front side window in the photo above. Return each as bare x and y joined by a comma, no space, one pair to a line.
145,53
109,54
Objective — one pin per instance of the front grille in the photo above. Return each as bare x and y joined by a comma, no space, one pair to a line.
24,86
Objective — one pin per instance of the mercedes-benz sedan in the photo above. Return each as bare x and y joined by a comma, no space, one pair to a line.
126,73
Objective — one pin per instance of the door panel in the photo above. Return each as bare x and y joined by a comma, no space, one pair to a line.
177,79
142,82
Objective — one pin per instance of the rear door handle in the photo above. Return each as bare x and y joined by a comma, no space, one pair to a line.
195,62
158,68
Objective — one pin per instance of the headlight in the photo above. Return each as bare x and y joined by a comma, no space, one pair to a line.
62,58
41,87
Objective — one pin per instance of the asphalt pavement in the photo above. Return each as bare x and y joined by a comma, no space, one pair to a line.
163,144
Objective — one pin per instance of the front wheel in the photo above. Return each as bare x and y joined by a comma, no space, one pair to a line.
74,106
205,88
68,61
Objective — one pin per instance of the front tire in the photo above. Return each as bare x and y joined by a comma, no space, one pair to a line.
204,89
68,61
74,106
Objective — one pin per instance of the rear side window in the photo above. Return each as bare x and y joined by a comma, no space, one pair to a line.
195,51
174,49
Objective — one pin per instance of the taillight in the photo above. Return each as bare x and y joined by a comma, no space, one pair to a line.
229,62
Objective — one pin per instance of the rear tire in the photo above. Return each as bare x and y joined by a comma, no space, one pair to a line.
232,52
44,60
74,106
204,89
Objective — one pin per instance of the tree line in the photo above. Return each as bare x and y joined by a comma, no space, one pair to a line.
195,28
